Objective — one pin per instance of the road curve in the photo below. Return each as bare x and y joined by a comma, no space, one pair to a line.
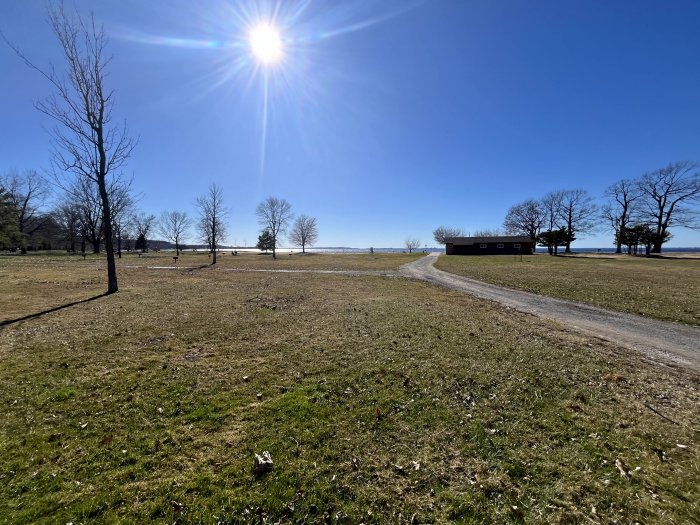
670,343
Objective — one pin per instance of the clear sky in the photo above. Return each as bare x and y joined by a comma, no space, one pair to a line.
383,119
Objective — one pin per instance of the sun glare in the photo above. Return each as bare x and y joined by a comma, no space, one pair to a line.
265,43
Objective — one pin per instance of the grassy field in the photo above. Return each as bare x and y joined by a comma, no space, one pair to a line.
664,288
380,399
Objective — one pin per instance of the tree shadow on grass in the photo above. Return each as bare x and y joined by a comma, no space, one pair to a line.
200,267
627,256
607,256
54,309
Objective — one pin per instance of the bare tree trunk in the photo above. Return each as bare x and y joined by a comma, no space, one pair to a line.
109,248
213,238
112,285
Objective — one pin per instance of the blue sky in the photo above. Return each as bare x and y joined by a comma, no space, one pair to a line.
384,119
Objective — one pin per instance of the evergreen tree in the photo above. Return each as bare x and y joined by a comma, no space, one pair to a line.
10,235
265,241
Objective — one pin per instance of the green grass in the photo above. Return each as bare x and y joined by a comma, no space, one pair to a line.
660,288
380,400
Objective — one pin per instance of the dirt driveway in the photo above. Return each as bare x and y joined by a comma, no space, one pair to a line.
668,343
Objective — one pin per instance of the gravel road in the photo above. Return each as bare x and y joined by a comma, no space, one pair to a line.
668,343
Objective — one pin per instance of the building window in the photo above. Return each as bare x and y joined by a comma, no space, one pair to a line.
482,246
499,246
516,246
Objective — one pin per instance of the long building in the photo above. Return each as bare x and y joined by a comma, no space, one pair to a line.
502,245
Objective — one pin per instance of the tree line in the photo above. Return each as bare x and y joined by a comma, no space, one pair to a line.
76,222
639,212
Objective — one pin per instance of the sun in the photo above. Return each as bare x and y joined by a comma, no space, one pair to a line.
265,43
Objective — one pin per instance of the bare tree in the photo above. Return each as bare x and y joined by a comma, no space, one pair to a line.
551,205
411,244
85,196
577,214
668,196
28,193
487,232
274,215
304,232
67,215
122,204
211,220
525,218
173,225
86,143
618,210
142,224
443,232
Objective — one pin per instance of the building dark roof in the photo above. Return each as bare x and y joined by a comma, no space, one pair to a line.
480,240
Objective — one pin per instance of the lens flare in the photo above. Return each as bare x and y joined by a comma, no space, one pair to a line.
265,43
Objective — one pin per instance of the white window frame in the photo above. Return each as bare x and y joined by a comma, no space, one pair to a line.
499,246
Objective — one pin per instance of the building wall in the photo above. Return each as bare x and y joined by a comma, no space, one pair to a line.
491,248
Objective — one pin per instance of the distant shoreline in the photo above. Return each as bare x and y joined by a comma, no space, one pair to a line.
341,250
336,250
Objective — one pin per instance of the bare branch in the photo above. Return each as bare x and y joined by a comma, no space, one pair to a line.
669,198
525,218
411,244
443,232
